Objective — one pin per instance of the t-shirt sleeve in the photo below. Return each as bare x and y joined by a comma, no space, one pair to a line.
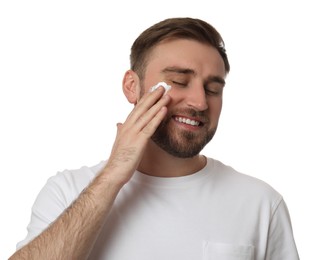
52,200
57,195
281,244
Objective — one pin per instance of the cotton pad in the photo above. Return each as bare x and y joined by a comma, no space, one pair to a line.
164,84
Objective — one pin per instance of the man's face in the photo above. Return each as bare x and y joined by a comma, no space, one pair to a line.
196,73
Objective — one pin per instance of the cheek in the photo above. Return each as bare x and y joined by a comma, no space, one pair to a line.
144,87
215,106
175,95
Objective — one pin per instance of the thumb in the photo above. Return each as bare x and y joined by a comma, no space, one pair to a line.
119,126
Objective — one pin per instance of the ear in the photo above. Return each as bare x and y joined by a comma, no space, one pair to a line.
131,86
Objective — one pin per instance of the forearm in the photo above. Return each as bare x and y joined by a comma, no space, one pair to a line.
73,233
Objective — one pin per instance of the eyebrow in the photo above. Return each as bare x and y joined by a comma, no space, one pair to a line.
179,70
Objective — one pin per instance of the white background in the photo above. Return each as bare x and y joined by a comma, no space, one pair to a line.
61,66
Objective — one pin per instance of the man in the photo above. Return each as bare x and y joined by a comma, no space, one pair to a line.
157,197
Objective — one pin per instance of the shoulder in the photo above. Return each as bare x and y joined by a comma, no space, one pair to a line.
81,175
68,184
242,185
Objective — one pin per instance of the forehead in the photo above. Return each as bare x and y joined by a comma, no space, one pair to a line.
200,57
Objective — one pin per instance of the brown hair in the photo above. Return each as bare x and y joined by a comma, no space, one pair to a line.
182,28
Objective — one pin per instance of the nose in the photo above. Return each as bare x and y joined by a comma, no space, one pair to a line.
196,97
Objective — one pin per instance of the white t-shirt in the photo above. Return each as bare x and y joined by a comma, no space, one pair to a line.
215,213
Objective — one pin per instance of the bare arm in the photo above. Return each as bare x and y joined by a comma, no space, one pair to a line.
73,234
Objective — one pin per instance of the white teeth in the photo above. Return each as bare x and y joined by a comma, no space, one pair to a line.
187,121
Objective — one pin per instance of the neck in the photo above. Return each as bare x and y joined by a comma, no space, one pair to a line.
157,162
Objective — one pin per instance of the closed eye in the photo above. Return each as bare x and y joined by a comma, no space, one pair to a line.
179,83
212,92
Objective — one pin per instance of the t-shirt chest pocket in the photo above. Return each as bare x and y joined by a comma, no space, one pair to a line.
220,251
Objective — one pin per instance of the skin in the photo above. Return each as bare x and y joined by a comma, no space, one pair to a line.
202,92
70,236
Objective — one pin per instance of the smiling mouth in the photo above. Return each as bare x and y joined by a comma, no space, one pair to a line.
187,121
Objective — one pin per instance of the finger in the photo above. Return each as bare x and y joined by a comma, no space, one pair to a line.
143,119
148,100
150,128
149,115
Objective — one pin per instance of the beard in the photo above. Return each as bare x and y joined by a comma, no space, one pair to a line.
183,143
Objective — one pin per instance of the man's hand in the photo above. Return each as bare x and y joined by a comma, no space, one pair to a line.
134,133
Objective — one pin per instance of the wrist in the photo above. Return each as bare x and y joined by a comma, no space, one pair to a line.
113,179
